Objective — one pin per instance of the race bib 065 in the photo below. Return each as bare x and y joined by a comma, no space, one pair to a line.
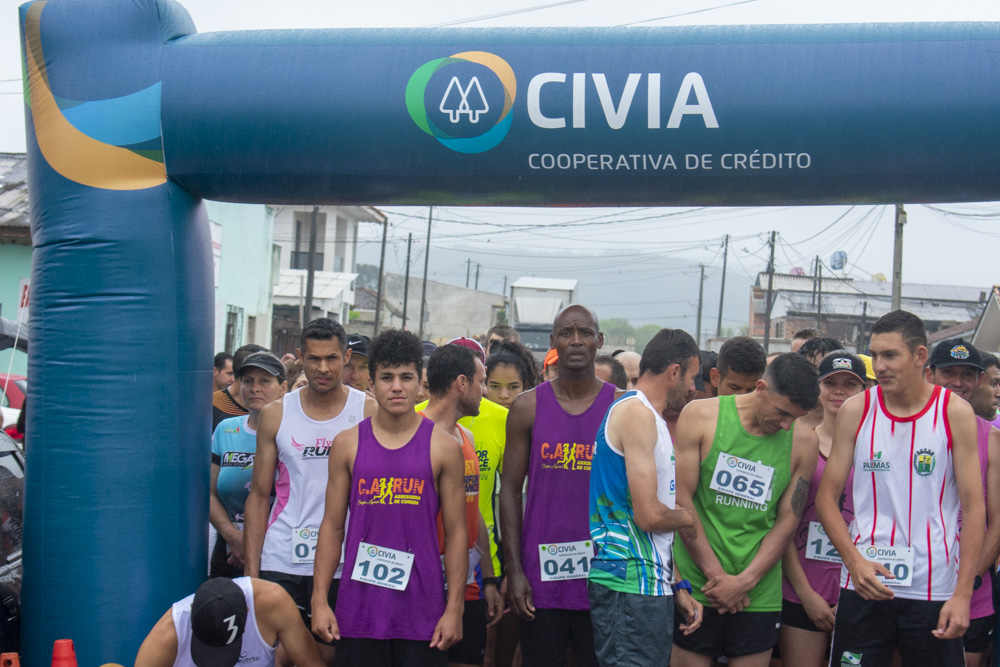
741,478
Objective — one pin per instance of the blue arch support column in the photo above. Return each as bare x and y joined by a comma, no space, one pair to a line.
133,117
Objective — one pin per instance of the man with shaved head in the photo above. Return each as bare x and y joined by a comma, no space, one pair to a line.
551,434
630,360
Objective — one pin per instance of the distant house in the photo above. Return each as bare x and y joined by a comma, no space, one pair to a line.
986,337
15,249
845,308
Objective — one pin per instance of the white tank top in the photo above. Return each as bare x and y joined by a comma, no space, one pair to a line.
905,494
300,486
255,651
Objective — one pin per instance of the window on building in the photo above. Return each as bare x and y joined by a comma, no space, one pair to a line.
234,328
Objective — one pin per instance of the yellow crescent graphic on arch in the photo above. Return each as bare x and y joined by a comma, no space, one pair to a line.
68,151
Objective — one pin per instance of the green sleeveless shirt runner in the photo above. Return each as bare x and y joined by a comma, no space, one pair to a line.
739,485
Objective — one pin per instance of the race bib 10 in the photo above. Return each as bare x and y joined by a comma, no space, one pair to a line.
381,566
741,478
898,560
565,560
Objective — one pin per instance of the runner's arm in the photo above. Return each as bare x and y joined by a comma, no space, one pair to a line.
330,541
520,421
277,615
219,518
805,451
632,429
991,543
159,649
451,489
687,451
953,620
258,503
838,467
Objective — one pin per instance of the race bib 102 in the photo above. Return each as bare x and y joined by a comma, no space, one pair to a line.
741,478
381,566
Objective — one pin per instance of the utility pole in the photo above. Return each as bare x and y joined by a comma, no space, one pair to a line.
819,296
701,290
427,255
310,269
768,303
468,265
406,282
722,290
897,259
477,274
381,279
861,331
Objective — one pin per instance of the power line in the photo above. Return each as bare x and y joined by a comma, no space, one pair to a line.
511,12
696,11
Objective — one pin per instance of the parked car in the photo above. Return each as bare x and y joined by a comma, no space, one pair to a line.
11,528
12,390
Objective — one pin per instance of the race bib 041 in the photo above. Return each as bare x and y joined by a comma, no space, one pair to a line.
741,478
381,566
565,560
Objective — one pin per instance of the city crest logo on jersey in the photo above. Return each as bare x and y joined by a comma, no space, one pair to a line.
960,352
567,456
470,96
924,461
390,491
242,460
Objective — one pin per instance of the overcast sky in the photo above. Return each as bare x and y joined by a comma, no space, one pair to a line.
955,244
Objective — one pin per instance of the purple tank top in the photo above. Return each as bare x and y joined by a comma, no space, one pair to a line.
393,505
556,512
981,604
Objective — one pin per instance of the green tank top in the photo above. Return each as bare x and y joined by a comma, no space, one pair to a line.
734,525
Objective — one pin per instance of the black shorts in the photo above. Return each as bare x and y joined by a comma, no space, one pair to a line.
472,649
359,652
979,637
300,587
730,635
794,615
544,639
867,631
219,562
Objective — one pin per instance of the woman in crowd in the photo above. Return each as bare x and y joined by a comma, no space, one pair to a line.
233,446
510,369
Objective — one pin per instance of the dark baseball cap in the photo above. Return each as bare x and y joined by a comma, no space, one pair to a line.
955,352
358,344
218,619
264,360
842,361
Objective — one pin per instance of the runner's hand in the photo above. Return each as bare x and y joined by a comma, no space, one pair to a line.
953,620
819,611
866,584
519,596
727,593
324,623
448,631
693,611
494,605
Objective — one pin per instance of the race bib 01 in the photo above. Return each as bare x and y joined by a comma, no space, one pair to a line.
819,546
565,560
381,566
898,560
304,545
741,478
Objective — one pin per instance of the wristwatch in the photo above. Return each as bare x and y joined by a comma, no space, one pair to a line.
492,580
682,585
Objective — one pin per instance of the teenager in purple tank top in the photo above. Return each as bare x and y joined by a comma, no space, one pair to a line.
551,431
394,471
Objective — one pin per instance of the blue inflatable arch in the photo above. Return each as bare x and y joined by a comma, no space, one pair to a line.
133,118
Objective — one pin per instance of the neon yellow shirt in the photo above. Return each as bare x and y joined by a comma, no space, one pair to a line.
489,430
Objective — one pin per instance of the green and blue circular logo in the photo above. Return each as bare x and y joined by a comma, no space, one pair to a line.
731,461
372,551
464,100
872,552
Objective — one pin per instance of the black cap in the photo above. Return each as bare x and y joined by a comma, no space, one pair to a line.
955,352
358,344
218,619
264,360
842,361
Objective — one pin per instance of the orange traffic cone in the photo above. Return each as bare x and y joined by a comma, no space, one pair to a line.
9,660
63,653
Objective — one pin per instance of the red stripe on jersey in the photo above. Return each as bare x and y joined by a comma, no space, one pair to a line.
934,426
944,526
909,518
892,535
947,422
930,561
913,418
864,413
874,485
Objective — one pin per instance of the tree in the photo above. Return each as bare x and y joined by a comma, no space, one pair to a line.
618,327
644,334
367,276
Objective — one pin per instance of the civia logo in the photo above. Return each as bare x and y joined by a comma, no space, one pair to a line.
372,551
463,101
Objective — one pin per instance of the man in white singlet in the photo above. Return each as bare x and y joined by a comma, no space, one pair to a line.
907,578
228,621
294,436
